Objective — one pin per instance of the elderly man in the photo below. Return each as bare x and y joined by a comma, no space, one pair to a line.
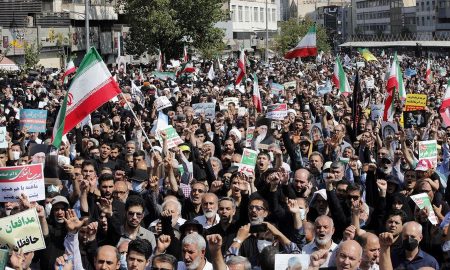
348,256
164,261
107,258
324,230
371,251
193,252
209,207
410,256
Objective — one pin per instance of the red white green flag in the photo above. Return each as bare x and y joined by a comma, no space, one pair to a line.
241,66
392,86
185,54
187,67
256,95
444,110
340,79
91,87
70,68
429,74
306,47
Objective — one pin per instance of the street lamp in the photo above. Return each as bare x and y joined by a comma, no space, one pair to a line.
86,20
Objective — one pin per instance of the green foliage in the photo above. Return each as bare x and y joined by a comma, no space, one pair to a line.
31,55
167,24
292,31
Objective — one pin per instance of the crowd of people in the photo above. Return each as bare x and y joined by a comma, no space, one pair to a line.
327,187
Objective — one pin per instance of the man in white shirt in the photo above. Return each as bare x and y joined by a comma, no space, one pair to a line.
193,252
324,230
210,217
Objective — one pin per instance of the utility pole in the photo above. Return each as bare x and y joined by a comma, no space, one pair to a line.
266,57
86,20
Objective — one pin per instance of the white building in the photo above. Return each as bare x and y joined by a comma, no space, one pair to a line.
246,27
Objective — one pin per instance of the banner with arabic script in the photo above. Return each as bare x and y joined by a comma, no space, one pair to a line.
22,230
27,179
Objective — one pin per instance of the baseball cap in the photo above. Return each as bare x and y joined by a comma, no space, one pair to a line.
60,199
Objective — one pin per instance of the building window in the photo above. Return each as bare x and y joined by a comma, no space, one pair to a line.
261,14
233,13
274,19
255,14
241,19
247,14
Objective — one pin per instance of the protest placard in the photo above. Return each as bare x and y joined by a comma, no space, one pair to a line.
248,161
33,120
164,75
277,111
360,64
23,231
422,200
26,179
208,108
376,111
3,142
414,119
276,89
428,150
173,139
415,102
388,129
291,84
291,261
249,136
228,100
4,258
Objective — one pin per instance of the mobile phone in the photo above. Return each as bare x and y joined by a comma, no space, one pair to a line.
258,228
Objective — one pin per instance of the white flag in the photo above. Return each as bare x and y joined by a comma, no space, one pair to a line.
211,73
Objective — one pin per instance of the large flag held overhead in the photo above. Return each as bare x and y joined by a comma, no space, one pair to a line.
241,67
187,67
340,79
70,68
91,87
429,74
392,85
401,85
306,47
256,95
444,110
367,55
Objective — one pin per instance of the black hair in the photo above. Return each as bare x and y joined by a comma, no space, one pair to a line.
134,200
141,246
105,177
397,212
167,258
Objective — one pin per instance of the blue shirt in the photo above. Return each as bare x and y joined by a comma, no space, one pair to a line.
422,259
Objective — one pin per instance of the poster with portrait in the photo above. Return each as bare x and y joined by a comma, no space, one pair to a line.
388,129
414,119
291,261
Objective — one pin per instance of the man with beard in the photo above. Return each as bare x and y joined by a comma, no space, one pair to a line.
324,230
410,256
371,251
226,227
302,185
132,229
193,252
394,226
209,206
104,160
192,207
315,166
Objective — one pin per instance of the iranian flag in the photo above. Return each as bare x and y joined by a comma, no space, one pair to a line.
256,95
187,67
241,66
401,85
185,54
70,68
340,79
392,85
429,74
306,47
444,110
91,87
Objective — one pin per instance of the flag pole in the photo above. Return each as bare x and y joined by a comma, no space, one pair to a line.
138,121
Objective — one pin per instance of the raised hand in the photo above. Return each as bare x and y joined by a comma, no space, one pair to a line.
105,206
349,233
92,231
386,239
73,224
214,242
64,262
163,243
318,258
293,206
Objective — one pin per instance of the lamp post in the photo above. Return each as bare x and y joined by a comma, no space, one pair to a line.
266,55
86,20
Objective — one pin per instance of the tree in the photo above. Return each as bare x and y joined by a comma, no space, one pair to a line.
31,55
292,31
169,24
